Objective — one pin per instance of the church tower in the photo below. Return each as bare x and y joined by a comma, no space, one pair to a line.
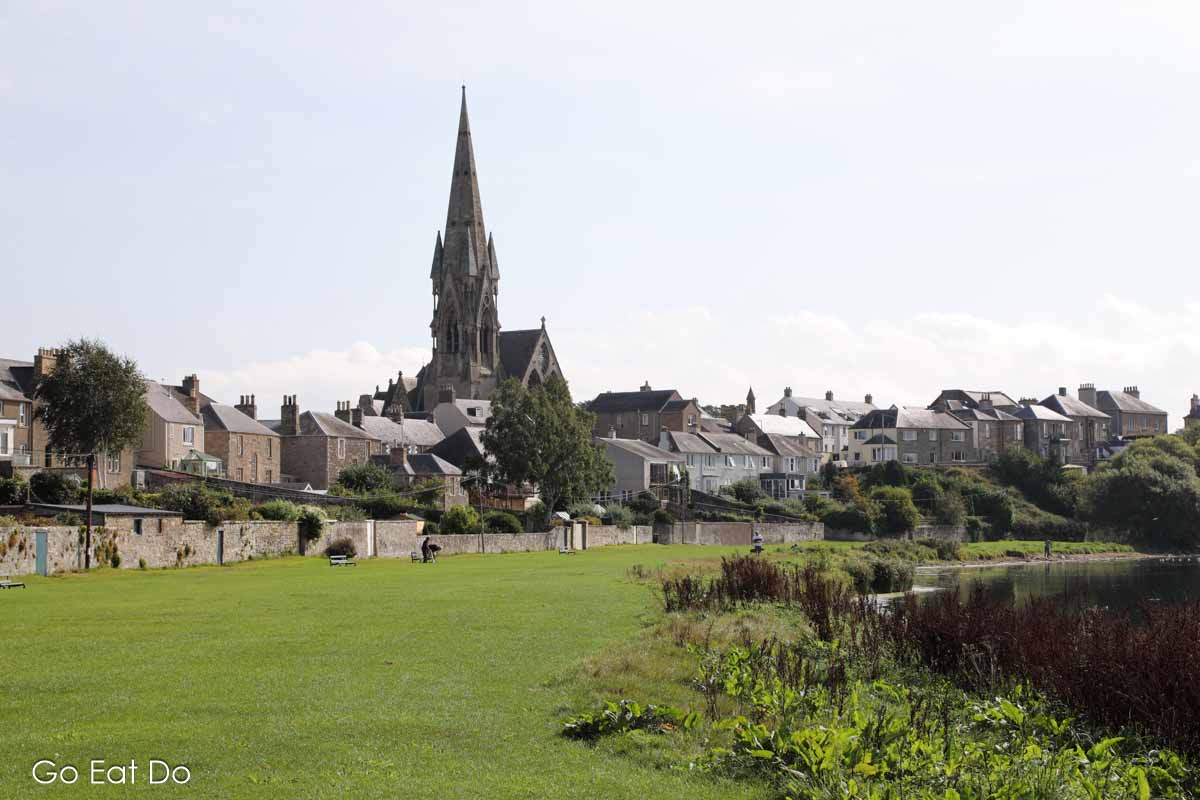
465,325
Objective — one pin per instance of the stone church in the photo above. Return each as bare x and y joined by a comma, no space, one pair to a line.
471,353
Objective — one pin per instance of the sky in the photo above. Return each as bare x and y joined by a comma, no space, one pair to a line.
879,197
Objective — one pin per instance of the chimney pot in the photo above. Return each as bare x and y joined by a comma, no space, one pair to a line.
868,399
1062,391
829,395
787,391
646,386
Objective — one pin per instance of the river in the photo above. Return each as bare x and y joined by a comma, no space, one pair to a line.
1117,583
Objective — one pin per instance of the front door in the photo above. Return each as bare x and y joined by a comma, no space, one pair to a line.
42,554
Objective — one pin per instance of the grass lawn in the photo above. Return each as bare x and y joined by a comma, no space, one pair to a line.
287,678
987,551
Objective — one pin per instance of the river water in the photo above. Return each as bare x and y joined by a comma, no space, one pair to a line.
1117,584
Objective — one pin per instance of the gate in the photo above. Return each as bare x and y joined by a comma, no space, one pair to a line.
43,556
220,546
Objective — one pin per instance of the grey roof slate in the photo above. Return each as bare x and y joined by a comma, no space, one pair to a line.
227,418
910,418
517,350
786,446
163,401
783,426
410,432
1072,406
318,423
429,464
639,448
620,402
1039,412
16,379
461,446
1127,403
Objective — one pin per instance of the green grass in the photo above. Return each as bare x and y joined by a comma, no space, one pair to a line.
988,551
287,678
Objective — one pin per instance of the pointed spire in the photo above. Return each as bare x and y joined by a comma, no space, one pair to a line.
435,271
465,208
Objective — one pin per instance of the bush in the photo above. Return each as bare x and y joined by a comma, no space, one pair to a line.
54,488
582,509
341,547
311,523
995,504
899,513
460,519
195,501
364,478
430,529
946,549
12,491
880,575
345,513
620,516
950,509
854,519
537,517
141,563
385,506
278,511
644,503
663,517
501,522
746,490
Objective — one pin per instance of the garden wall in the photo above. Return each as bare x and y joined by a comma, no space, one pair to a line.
741,533
949,533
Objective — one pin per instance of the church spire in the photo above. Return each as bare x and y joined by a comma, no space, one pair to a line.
465,212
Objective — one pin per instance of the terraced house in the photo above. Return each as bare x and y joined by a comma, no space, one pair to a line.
829,417
315,446
1091,431
1132,417
990,415
915,436
644,414
249,450
717,459
16,413
1047,432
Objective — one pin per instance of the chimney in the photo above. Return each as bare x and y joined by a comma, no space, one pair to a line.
829,395
343,411
869,399
1087,393
664,438
985,402
1133,391
247,406
1196,404
289,416
646,386
446,394
398,456
787,391
191,388
1062,391
44,361
356,416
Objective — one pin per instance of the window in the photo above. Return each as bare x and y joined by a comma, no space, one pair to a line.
473,411
933,436
860,436
909,436
691,420
1,408
933,458
956,436
341,448
791,464
270,477
749,462
987,430
766,462
3,443
645,420
857,456
137,527
270,450
254,467
241,445
21,414
113,463
958,455
910,458
691,460
620,421
189,434
710,460
729,461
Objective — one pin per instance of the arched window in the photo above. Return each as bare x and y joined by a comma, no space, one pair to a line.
485,340
452,336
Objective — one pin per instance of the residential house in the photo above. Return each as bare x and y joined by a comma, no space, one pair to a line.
451,413
989,414
416,468
915,436
1132,417
753,427
173,427
951,399
793,465
16,412
248,450
829,417
463,448
316,446
1091,426
414,435
1193,416
716,459
644,413
637,467
1047,432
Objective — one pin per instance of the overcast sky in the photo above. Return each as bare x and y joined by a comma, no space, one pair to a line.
878,196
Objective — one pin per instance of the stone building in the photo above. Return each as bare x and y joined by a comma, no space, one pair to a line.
1091,427
471,354
315,447
644,414
249,450
1047,432
913,436
1132,417
716,459
831,418
754,427
638,466
990,415
1193,416
16,412
173,427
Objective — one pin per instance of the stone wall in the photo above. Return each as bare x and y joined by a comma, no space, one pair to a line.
949,533
740,533
608,535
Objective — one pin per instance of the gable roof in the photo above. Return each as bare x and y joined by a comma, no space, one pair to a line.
460,446
319,423
16,379
429,464
517,350
783,426
410,432
643,450
785,446
1039,412
1072,406
849,409
227,418
1125,402
902,417
163,401
677,405
619,402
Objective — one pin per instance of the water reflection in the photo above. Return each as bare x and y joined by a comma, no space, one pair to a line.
1117,584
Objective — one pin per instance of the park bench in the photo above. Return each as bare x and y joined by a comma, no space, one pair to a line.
342,561
566,551
5,583
416,557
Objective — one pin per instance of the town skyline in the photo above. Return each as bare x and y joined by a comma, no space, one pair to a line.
973,280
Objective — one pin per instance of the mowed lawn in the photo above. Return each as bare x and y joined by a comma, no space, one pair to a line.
288,678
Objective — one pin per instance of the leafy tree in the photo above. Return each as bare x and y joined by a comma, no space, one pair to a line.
746,490
501,522
93,401
460,519
847,488
899,515
538,436
12,491
54,487
1150,490
196,501
365,478
950,509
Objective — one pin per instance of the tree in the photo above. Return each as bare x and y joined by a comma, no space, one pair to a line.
459,519
539,437
364,478
746,490
1150,490
93,401
899,513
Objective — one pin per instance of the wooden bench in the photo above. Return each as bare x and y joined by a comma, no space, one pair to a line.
342,561
415,556
566,551
5,583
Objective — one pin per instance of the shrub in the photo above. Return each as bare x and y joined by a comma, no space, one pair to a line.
385,506
620,516
645,503
12,491
345,513
946,549
279,510
430,529
978,529
746,490
995,504
582,509
950,509
663,517
855,519
341,547
537,517
880,575
364,478
460,519
311,523
54,487
141,563
501,522
899,513
195,501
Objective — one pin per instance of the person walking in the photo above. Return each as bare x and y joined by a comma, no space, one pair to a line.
426,551
757,540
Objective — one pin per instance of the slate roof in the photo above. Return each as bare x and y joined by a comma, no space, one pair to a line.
714,443
410,432
517,350
783,426
16,380
1072,406
880,438
1125,402
1039,412
982,414
641,449
318,423
483,410
164,402
112,509
919,418
620,402
715,424
849,409
227,418
460,446
971,398
786,446
675,405
429,464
